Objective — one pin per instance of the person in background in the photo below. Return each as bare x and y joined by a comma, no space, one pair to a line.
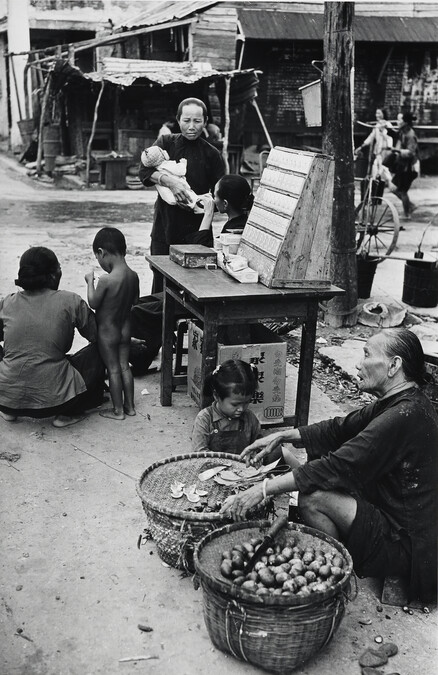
112,298
166,129
205,166
214,136
37,377
227,425
406,163
379,143
371,477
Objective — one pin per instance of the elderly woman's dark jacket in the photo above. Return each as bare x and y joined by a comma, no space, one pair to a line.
387,453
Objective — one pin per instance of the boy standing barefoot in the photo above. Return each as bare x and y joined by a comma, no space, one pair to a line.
113,297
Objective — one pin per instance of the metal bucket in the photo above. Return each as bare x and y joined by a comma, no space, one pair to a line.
366,269
26,128
311,94
420,284
51,145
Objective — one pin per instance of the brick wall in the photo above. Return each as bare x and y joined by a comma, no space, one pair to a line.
408,82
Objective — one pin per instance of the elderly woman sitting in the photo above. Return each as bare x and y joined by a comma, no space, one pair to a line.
37,378
371,477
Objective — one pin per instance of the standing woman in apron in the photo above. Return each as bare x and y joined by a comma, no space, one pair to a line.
227,425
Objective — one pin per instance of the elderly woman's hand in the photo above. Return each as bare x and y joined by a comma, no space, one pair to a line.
237,506
254,453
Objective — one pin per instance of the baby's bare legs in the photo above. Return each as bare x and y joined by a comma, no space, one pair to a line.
127,379
109,352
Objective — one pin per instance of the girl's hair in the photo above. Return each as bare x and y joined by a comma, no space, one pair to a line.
232,377
192,101
384,112
37,267
110,239
236,190
405,344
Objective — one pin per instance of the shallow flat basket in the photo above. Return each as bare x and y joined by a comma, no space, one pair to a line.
277,633
175,529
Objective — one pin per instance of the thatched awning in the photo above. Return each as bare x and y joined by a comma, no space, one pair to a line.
125,72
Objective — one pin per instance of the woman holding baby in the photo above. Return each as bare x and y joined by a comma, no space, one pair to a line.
204,168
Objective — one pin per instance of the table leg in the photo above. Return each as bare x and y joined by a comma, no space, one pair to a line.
308,337
167,348
209,348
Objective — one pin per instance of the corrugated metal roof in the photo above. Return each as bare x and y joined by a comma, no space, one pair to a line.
125,71
274,25
161,12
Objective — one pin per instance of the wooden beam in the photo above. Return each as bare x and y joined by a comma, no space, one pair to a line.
107,40
227,124
93,129
46,94
337,137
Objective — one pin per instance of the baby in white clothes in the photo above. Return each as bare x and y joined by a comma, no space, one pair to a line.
158,158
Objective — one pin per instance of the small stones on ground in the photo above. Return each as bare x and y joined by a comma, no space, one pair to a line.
388,648
379,608
405,609
371,671
19,587
378,639
143,627
426,610
64,514
387,616
372,658
365,622
410,611
19,631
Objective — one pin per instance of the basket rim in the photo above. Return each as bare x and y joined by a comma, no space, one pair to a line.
275,600
184,515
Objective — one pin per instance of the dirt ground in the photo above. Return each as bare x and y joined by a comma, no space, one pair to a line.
74,584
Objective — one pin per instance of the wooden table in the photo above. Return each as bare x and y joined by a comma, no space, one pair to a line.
217,300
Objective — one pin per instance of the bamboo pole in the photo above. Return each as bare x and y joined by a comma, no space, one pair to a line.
262,122
401,257
16,87
93,129
46,94
227,124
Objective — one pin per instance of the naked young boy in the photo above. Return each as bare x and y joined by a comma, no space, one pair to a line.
112,299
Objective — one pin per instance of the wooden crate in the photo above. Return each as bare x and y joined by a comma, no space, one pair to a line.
287,235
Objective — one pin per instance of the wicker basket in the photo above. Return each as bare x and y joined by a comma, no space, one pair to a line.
174,524
277,633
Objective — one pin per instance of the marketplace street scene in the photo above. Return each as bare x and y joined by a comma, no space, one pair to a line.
218,337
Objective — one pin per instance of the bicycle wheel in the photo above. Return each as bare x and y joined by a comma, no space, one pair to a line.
377,226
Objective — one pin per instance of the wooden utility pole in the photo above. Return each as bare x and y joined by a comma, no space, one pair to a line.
337,140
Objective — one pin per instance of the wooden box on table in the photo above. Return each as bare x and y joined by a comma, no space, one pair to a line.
192,255
287,235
